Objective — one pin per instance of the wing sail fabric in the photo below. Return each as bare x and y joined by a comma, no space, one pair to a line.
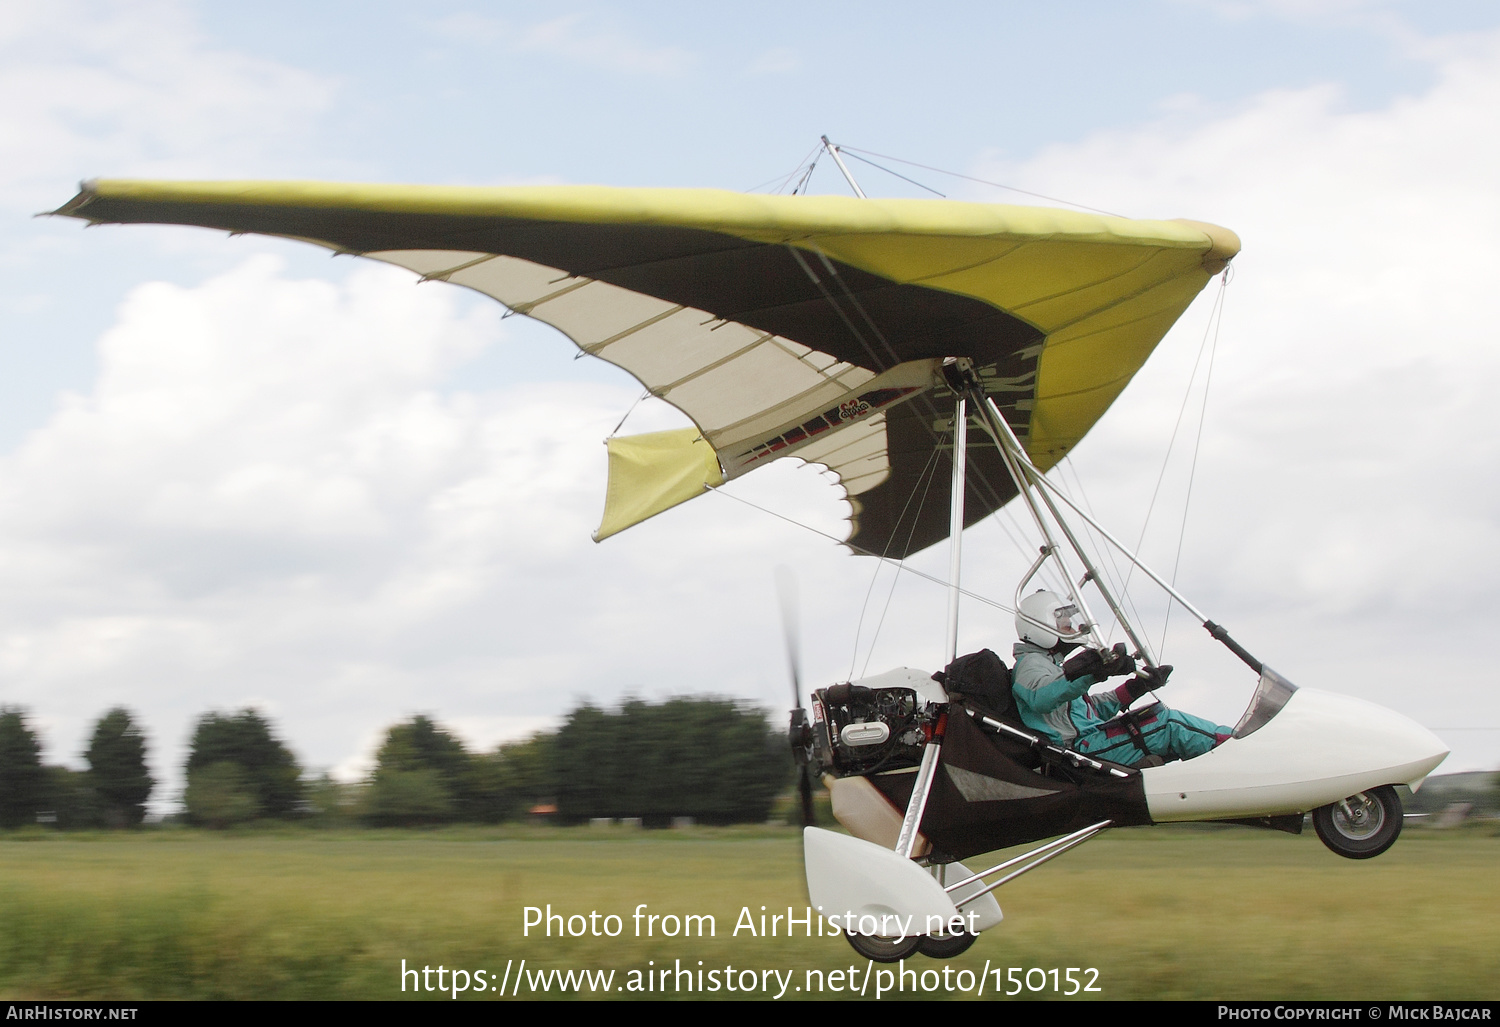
654,472
782,326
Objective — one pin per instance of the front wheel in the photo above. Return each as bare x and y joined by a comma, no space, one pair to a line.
946,946
884,950
1362,825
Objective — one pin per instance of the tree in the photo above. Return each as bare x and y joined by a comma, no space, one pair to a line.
220,794
117,766
711,759
333,803
423,775
70,799
269,776
405,798
22,782
516,777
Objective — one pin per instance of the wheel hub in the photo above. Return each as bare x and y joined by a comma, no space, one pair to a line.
1358,817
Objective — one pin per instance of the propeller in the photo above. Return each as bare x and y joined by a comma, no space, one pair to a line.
799,733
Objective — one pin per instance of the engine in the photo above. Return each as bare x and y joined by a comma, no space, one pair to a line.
859,730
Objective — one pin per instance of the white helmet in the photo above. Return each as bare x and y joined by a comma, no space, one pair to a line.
1045,618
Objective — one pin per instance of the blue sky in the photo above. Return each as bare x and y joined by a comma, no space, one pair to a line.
638,94
175,538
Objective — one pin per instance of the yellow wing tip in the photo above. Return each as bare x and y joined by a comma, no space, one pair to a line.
1224,245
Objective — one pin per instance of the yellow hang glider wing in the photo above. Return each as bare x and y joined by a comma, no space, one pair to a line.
781,325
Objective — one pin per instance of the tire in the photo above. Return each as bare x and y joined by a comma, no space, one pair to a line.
1361,826
884,950
946,946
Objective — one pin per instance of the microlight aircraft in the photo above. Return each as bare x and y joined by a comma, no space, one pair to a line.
887,340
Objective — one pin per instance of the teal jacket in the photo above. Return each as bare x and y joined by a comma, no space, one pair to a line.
1053,705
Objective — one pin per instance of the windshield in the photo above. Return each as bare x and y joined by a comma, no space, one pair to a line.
1271,695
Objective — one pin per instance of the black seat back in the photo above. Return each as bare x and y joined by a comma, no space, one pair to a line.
983,681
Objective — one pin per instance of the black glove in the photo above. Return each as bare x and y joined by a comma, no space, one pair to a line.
1109,663
1086,663
1118,661
1147,679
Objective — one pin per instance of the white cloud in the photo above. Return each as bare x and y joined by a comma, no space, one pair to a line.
468,27
135,90
1382,19
781,60
1301,11
573,38
266,498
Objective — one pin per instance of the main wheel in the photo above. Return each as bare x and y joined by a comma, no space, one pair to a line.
946,946
884,950
1362,825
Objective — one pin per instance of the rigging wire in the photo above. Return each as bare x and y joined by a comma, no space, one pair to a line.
860,550
1026,549
890,541
1192,470
1101,549
898,174
802,184
639,400
1209,329
923,401
864,315
782,180
852,151
1118,579
896,578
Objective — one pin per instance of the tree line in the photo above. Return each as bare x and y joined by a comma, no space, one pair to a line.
715,760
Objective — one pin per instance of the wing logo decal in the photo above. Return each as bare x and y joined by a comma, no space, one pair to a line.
856,409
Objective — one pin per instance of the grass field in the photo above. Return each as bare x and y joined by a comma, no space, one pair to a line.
1159,912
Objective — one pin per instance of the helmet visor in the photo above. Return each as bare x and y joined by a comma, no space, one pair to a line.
1067,620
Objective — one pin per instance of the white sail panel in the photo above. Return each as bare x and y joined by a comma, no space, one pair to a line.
734,381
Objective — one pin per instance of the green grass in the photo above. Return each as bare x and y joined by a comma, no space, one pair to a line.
293,913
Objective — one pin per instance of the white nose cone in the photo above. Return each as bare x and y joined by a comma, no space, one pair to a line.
1316,749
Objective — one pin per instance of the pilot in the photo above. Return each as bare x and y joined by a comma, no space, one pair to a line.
1053,697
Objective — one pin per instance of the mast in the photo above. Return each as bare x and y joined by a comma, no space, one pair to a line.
833,151
906,840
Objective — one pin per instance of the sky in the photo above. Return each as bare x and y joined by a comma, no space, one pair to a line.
238,472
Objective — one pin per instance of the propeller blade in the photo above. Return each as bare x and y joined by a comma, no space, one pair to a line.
786,591
804,790
799,734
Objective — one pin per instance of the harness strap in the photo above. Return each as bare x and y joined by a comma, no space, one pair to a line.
1131,719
